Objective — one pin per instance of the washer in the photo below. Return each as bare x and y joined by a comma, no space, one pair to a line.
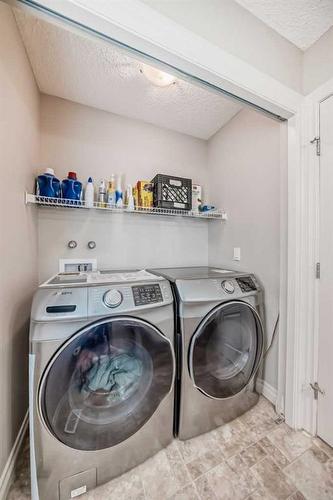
220,342
102,370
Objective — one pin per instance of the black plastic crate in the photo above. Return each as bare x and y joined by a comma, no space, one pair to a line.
172,192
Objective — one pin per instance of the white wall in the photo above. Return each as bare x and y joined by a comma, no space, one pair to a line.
318,63
19,142
97,143
244,164
231,27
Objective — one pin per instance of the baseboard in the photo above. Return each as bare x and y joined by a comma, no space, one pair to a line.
268,391
7,475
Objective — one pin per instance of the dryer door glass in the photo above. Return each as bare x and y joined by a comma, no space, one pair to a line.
226,349
106,382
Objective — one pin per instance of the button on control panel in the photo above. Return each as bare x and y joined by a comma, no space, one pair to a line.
228,286
112,298
147,294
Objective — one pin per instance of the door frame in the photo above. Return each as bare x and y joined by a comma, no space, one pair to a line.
307,340
136,25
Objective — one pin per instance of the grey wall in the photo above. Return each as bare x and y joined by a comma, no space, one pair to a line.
318,63
19,142
244,163
239,169
231,27
96,143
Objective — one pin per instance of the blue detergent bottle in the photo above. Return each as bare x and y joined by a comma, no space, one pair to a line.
48,185
71,188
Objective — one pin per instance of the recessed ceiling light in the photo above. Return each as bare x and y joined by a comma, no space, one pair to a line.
156,76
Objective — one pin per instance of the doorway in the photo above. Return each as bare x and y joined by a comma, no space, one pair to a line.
324,389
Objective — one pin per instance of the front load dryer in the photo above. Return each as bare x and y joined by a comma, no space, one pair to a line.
102,368
220,341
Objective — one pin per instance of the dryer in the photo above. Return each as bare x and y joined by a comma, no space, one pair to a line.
102,370
220,341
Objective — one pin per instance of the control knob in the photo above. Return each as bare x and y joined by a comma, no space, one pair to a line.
112,298
228,286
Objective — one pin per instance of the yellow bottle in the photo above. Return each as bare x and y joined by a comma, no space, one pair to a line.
111,193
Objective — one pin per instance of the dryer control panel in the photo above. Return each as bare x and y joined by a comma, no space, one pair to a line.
212,289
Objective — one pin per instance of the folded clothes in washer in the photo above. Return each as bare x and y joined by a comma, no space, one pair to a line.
115,374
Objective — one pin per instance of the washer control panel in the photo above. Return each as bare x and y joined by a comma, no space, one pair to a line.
125,298
246,284
147,294
228,286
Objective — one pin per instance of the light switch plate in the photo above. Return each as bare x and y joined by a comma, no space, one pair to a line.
237,253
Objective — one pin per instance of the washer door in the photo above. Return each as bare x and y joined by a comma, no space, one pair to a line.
226,350
106,382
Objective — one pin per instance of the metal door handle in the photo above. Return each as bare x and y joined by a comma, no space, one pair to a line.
316,389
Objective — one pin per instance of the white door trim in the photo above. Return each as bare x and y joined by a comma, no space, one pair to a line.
301,280
306,339
136,25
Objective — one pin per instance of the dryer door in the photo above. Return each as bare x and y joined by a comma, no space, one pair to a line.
226,350
106,382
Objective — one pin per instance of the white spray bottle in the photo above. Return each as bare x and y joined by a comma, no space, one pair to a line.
130,198
89,193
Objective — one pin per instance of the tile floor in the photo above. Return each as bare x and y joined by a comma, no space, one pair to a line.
250,458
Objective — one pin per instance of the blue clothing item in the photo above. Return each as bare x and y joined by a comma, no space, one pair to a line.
115,375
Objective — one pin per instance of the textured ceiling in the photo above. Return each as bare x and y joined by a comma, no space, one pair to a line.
72,66
302,22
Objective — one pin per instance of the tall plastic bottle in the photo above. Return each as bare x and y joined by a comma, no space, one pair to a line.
102,194
89,193
48,185
71,188
119,193
129,198
111,193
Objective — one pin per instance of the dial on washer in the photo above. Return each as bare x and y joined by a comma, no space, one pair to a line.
112,298
228,286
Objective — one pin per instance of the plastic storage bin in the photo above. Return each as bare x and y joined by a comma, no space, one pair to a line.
172,192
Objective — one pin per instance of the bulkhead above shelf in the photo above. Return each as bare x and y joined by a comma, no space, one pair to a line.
44,201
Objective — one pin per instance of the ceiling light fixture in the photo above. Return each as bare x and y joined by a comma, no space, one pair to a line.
156,76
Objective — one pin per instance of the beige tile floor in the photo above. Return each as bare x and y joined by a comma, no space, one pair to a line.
250,458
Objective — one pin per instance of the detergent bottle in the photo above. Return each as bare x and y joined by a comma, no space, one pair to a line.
119,193
71,188
48,185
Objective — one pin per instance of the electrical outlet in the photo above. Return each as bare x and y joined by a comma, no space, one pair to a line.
237,253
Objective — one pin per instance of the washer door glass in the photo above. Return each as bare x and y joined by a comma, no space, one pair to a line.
226,349
106,382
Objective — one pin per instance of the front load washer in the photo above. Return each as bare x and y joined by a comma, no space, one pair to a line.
220,341
102,370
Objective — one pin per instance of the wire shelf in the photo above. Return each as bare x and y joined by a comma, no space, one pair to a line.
44,201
